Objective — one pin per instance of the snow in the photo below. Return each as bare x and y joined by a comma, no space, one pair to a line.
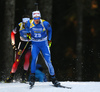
48,87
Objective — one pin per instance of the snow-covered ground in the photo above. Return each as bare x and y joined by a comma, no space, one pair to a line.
47,87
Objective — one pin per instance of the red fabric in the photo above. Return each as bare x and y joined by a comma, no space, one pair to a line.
26,63
13,37
15,65
27,58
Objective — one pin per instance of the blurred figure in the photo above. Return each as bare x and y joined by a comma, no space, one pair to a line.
23,37
39,75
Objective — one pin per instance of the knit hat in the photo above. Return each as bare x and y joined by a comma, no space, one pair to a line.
36,13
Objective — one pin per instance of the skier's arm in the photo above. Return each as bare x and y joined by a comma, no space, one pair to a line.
27,28
13,35
12,38
49,35
49,29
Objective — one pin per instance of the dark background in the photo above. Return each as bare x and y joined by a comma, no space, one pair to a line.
75,47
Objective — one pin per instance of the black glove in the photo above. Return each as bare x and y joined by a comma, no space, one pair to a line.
14,47
49,43
29,36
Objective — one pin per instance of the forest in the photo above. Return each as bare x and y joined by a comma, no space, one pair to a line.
75,50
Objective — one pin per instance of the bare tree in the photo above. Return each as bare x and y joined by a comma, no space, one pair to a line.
9,14
79,63
45,7
30,6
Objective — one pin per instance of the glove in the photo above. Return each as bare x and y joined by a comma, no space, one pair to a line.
29,36
14,47
49,43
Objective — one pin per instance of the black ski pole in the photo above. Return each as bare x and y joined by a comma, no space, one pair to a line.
36,6
23,51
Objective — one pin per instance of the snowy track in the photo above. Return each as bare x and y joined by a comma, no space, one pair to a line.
47,87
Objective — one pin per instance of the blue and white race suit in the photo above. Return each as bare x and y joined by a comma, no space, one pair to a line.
40,43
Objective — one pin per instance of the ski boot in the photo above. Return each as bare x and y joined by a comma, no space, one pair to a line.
24,77
54,81
10,79
32,80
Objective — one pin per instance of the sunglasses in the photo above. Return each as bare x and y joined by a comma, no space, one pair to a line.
37,18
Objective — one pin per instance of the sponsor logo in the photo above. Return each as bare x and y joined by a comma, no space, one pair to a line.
36,13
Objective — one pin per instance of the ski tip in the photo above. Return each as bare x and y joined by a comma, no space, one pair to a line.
68,87
64,86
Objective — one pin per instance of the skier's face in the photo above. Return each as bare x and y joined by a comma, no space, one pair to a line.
36,20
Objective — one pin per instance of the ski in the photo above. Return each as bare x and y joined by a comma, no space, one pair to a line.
62,86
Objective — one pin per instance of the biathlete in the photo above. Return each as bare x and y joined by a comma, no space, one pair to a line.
41,33
23,40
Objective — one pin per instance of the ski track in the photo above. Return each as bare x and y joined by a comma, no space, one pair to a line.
48,87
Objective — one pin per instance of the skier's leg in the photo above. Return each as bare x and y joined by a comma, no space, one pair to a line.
47,57
27,57
26,65
13,70
34,52
16,63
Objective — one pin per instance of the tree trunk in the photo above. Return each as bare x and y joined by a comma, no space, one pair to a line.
30,7
79,40
7,51
45,7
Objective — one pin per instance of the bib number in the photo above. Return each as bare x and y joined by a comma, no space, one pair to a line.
37,35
